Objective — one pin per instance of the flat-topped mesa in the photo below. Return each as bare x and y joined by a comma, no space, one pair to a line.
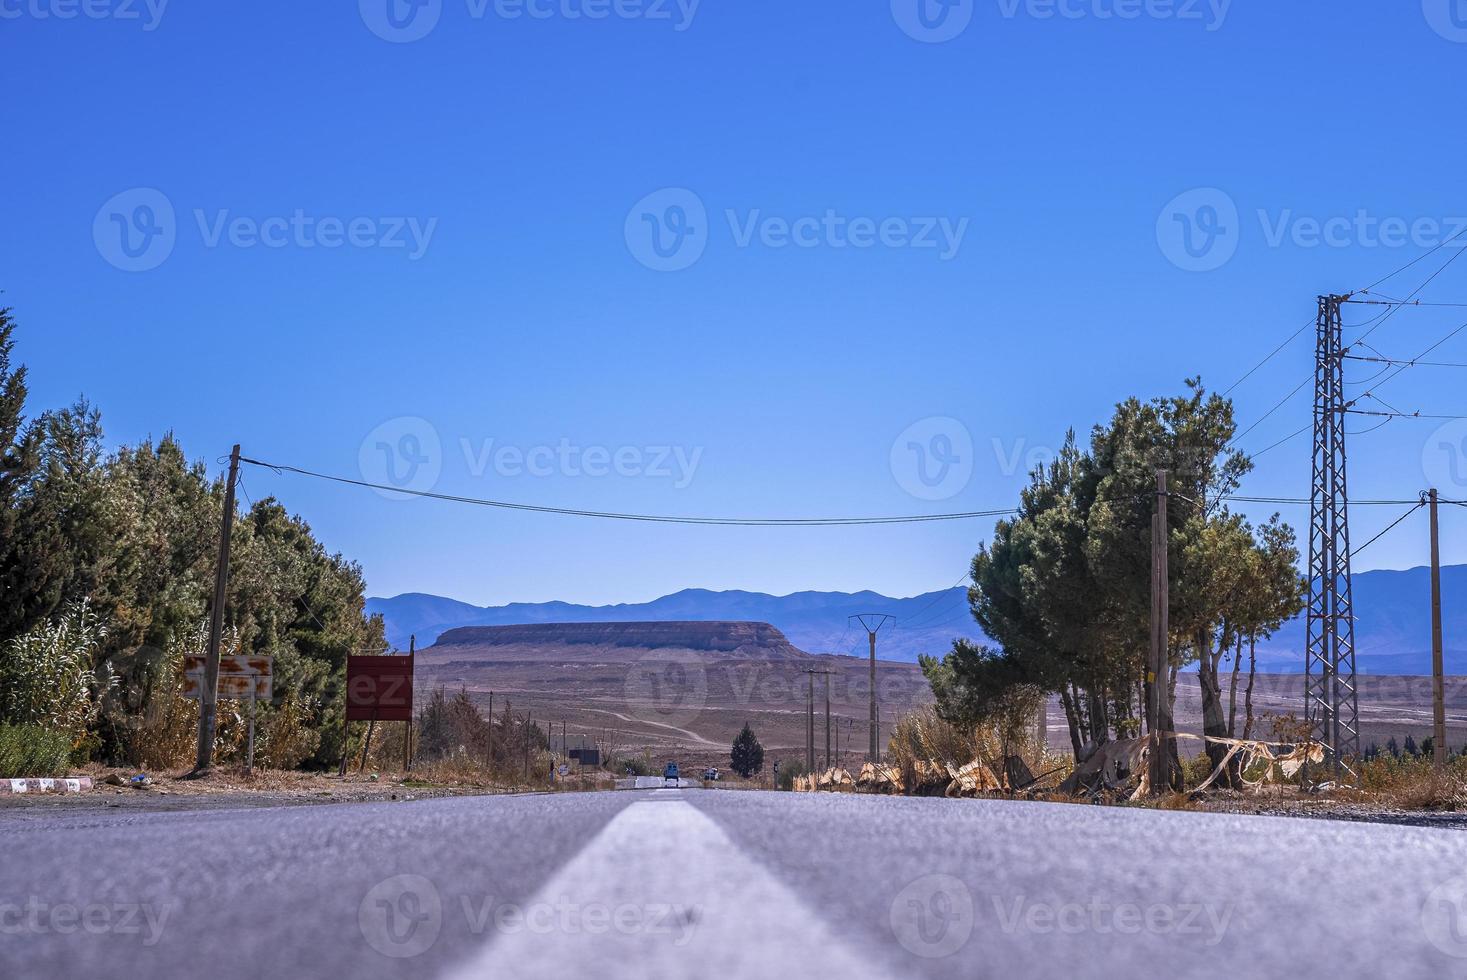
737,639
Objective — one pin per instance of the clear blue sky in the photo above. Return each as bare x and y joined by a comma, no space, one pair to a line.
540,312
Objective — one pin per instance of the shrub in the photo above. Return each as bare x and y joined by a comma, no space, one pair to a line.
788,771
30,751
47,675
283,737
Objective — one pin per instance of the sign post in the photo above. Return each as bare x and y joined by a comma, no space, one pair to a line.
240,678
380,689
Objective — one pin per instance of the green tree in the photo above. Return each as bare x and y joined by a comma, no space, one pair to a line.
1064,587
20,459
747,757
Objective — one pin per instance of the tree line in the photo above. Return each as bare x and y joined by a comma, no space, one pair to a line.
1063,589
107,561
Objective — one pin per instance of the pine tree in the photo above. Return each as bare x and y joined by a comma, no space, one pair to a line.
747,757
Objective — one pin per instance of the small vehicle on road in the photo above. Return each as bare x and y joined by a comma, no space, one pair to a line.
670,774
710,775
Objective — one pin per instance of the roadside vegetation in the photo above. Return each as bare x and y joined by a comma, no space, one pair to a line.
1064,587
107,565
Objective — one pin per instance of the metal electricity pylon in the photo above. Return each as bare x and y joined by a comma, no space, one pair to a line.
867,620
1331,702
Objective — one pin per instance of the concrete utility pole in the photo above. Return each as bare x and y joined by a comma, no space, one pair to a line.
209,701
872,624
810,721
1438,684
1158,671
810,717
827,719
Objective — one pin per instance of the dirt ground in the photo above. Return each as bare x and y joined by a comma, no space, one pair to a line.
229,789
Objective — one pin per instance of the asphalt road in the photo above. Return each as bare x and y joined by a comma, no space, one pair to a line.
694,883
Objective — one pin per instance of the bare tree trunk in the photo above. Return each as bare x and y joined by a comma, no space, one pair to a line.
1233,691
1072,719
1248,697
1168,724
1214,722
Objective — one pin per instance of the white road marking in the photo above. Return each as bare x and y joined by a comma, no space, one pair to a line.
661,892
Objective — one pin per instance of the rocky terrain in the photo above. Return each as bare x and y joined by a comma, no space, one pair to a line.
674,689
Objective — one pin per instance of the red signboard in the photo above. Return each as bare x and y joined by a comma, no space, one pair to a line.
379,688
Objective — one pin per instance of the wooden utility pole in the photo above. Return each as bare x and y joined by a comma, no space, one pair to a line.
527,745
1438,683
827,719
407,726
1157,666
491,731
209,701
810,721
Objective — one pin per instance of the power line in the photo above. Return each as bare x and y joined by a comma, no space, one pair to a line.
1412,295
1405,415
1389,527
1251,371
654,518
1424,255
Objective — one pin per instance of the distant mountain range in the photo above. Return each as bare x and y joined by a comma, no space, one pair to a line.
1392,629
